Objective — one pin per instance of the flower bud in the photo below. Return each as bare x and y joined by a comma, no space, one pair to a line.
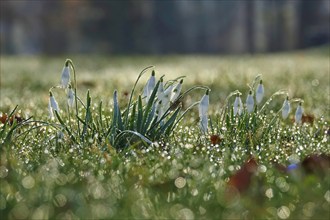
176,91
286,108
166,96
149,87
299,113
238,105
260,92
204,104
249,102
160,91
52,105
65,78
204,123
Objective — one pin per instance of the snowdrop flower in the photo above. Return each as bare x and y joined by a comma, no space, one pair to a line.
286,108
250,102
52,105
238,105
65,79
204,104
203,123
166,96
299,113
176,91
260,92
149,87
70,96
160,91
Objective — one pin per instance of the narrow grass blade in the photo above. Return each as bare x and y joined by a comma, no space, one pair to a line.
139,115
65,127
132,93
88,115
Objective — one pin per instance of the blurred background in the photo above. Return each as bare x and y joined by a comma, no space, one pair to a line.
162,27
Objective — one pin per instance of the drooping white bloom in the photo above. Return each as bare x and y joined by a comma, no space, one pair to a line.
70,96
160,91
238,105
299,113
204,123
149,87
286,108
53,102
249,102
52,105
260,92
165,98
65,78
204,104
176,91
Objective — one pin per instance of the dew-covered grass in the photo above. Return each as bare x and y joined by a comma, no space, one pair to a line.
253,166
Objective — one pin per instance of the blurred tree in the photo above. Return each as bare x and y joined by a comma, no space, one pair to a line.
130,26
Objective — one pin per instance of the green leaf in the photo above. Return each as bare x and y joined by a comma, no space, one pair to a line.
149,118
123,133
132,117
169,123
149,110
139,115
88,115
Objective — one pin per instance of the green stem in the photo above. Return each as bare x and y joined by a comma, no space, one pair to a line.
75,90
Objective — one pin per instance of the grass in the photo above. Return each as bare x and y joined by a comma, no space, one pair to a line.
44,174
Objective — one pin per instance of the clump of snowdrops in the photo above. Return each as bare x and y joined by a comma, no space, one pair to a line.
148,117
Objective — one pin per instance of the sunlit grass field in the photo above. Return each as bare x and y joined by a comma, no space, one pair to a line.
257,166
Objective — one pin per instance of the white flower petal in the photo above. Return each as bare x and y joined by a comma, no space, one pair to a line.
53,103
204,123
70,97
149,87
260,92
65,78
176,91
160,90
204,104
299,113
286,108
249,102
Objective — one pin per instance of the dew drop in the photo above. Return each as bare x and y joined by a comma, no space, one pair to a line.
60,200
180,182
194,192
283,212
28,182
269,193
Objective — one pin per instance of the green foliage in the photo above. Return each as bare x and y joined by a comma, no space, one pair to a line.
96,161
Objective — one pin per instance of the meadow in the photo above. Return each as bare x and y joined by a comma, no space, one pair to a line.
113,155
